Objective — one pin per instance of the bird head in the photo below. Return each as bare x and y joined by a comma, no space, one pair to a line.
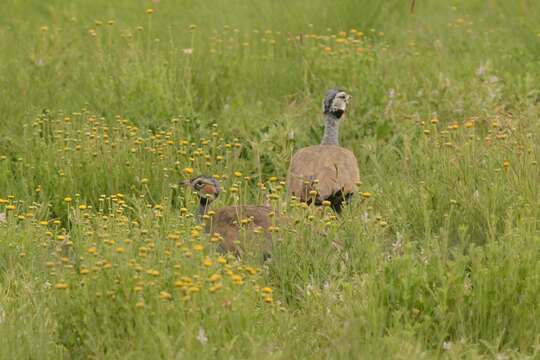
335,102
206,187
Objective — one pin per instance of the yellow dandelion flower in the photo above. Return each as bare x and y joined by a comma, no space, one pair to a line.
215,288
208,262
198,247
221,260
91,250
149,11
153,272
268,299
187,280
267,290
174,237
237,279
250,270
120,250
68,199
164,295
188,170
61,286
214,277
366,194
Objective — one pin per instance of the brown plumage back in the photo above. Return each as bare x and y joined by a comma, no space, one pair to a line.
226,221
334,167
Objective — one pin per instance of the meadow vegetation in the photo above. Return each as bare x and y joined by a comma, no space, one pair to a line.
106,107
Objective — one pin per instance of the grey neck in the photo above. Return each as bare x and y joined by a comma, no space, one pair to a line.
202,209
331,130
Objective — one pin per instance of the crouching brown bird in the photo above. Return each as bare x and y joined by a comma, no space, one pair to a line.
328,169
226,221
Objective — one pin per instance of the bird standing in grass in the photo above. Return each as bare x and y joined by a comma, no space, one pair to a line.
326,172
227,221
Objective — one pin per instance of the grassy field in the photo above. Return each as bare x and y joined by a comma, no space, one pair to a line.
106,106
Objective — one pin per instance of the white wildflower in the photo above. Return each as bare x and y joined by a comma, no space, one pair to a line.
481,71
201,337
290,135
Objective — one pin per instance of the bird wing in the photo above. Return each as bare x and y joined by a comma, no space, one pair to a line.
334,167
226,222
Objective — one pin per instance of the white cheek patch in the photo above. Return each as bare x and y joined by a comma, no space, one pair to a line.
340,102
